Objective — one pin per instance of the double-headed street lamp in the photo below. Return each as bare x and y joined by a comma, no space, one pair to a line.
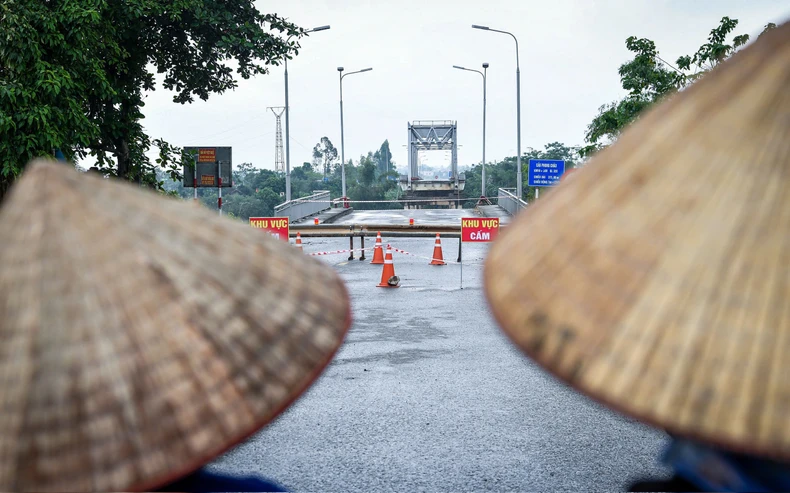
342,143
483,164
287,126
518,107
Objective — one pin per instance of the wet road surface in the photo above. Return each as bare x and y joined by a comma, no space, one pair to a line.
427,394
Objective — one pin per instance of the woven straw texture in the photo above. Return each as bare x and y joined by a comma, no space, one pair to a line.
657,278
143,336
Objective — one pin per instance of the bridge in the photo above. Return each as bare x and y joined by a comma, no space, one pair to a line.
420,191
319,206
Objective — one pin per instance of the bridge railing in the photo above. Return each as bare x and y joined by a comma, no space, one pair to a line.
304,207
510,202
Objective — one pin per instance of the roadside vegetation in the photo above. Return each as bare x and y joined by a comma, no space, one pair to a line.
73,79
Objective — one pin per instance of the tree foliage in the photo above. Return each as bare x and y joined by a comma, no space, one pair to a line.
648,79
383,157
255,192
503,173
371,182
325,156
73,74
712,53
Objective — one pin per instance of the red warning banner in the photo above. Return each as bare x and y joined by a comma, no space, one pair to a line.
474,229
277,226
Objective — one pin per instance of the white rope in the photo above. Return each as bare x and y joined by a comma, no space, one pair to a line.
335,252
404,252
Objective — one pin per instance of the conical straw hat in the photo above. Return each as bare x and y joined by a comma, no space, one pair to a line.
657,280
142,336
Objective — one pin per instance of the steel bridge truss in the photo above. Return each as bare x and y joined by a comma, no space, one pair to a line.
432,136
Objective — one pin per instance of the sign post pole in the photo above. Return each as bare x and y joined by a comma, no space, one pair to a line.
462,270
194,181
219,188
537,193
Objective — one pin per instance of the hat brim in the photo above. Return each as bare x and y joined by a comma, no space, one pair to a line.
197,463
144,336
657,279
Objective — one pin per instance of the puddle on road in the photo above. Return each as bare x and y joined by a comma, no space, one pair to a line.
378,325
399,357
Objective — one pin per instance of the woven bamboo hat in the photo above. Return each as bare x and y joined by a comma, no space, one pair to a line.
142,336
657,279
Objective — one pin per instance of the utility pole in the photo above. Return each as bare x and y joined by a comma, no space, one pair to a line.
279,162
287,124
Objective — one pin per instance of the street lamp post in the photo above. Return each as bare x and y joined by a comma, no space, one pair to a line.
287,126
342,135
519,185
483,165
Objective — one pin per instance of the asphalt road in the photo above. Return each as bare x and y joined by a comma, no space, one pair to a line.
427,394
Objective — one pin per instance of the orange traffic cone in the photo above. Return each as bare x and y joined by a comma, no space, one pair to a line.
438,259
299,241
388,277
378,251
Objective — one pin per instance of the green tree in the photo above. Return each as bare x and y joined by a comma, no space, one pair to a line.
767,28
367,172
259,204
242,171
369,185
646,79
304,180
255,192
324,156
383,158
73,74
715,51
503,174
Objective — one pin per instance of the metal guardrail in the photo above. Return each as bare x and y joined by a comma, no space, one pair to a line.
304,207
510,202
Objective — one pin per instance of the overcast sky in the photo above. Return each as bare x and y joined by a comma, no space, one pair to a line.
569,53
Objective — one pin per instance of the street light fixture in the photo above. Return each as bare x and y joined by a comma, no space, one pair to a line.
287,122
519,185
483,163
342,136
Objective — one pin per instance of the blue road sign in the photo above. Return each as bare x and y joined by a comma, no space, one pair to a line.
545,172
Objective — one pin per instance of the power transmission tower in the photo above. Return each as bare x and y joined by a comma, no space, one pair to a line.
279,160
